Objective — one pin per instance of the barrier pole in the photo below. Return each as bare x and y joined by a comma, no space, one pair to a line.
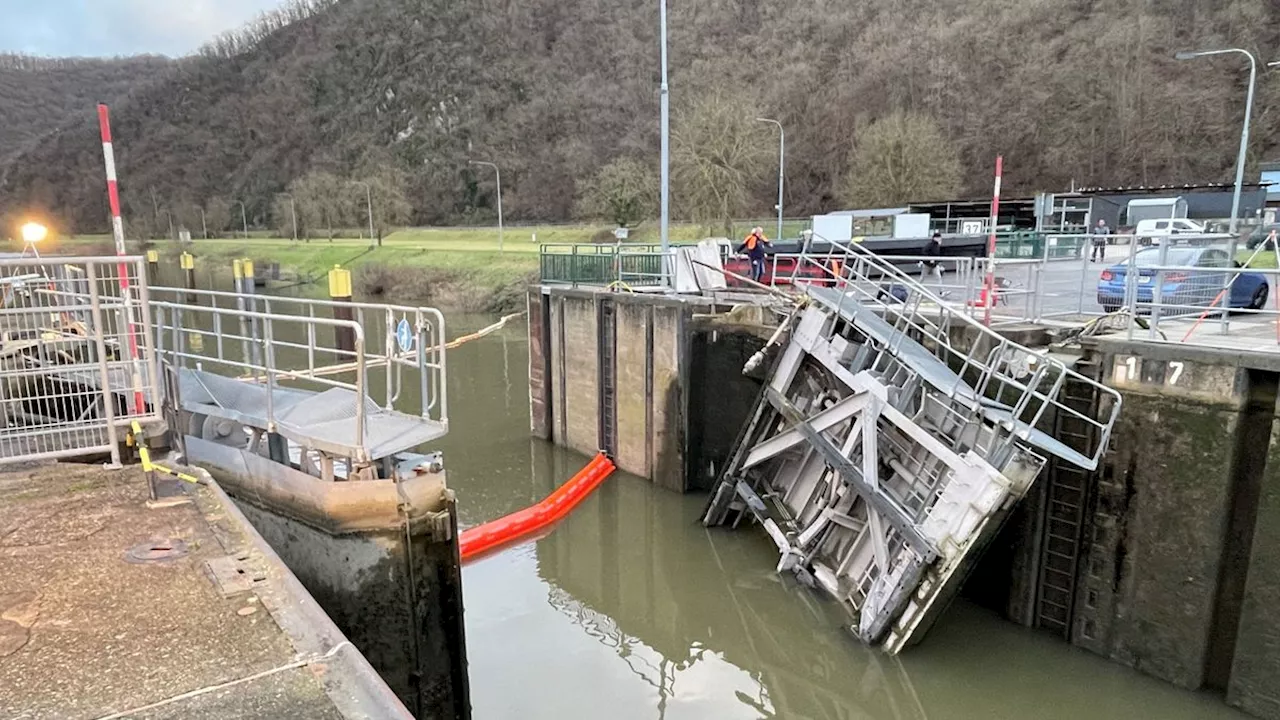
117,232
991,244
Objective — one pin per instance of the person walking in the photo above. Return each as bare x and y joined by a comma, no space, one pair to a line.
932,265
754,246
1100,233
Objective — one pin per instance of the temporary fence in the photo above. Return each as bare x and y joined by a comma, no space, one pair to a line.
77,359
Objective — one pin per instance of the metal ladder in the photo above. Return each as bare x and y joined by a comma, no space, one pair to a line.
1068,492
608,378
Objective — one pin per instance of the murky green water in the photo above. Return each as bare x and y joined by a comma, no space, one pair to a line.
631,609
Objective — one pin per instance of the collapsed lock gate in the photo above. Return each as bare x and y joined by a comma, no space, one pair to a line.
880,458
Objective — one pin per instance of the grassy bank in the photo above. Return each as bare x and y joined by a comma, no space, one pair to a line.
469,277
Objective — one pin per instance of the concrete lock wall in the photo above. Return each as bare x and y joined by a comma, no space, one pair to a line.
1180,573
638,376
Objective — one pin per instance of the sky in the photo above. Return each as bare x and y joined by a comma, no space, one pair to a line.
119,27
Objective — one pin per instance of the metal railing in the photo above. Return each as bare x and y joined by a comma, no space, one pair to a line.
77,362
999,371
277,340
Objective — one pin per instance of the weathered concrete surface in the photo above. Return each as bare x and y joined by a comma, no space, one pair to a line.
87,634
575,356
1255,673
670,396
1152,572
634,396
540,402
396,595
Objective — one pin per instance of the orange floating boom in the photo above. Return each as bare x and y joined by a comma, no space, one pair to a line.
524,523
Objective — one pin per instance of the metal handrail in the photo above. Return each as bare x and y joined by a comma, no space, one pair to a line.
908,319
429,356
268,367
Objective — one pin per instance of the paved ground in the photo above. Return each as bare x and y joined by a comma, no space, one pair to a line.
85,634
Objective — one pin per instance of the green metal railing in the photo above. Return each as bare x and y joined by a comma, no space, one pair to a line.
590,264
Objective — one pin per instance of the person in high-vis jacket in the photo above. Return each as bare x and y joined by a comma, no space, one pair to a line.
754,246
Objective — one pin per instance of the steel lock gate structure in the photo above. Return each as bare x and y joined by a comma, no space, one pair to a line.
881,458
77,361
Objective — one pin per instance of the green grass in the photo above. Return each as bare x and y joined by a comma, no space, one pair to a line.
1264,260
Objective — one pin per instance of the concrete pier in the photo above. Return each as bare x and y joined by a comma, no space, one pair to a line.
112,606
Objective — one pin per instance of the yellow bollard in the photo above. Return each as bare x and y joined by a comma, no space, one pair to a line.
344,338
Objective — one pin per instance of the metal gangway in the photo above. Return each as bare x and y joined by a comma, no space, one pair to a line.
893,436
323,384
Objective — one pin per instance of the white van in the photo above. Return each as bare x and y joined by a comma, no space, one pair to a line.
1152,231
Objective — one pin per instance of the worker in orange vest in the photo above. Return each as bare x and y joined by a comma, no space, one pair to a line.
754,247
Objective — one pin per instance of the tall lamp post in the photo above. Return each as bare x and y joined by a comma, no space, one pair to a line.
244,218
498,175
664,100
782,164
293,213
368,198
1244,134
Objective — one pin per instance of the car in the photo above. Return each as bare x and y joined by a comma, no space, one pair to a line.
1152,231
1183,287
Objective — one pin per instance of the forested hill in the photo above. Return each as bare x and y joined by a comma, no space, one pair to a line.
402,93
39,94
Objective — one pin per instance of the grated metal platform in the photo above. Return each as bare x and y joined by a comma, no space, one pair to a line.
323,421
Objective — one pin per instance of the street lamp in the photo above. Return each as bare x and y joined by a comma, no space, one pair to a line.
665,122
782,164
1244,134
293,211
32,234
244,218
368,198
498,175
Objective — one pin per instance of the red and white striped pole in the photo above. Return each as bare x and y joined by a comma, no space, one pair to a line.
991,246
117,232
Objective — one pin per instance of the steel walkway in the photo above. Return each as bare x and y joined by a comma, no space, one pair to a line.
324,421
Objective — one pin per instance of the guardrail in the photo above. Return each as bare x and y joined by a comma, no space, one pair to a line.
275,340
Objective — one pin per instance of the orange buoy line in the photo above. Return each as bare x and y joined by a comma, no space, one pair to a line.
524,523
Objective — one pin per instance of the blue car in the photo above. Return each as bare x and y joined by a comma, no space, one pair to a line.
1187,286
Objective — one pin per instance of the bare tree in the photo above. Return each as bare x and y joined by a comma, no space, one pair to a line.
716,150
900,158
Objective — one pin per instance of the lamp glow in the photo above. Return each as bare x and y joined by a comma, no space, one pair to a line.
34,232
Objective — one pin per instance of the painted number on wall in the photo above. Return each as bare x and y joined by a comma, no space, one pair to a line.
1127,371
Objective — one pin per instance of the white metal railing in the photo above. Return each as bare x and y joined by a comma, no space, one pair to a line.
994,367
77,361
275,340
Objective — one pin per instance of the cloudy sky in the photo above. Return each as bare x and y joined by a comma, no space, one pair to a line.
119,27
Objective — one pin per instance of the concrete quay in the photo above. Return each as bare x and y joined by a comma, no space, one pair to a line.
116,606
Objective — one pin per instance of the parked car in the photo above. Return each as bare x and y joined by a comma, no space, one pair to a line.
1260,233
1151,232
1192,286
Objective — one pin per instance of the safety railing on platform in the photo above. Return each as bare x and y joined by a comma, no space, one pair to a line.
1001,372
77,363
306,342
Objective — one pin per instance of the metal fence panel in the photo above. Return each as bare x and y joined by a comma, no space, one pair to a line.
77,363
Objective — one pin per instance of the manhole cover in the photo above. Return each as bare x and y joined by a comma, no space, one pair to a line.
156,551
